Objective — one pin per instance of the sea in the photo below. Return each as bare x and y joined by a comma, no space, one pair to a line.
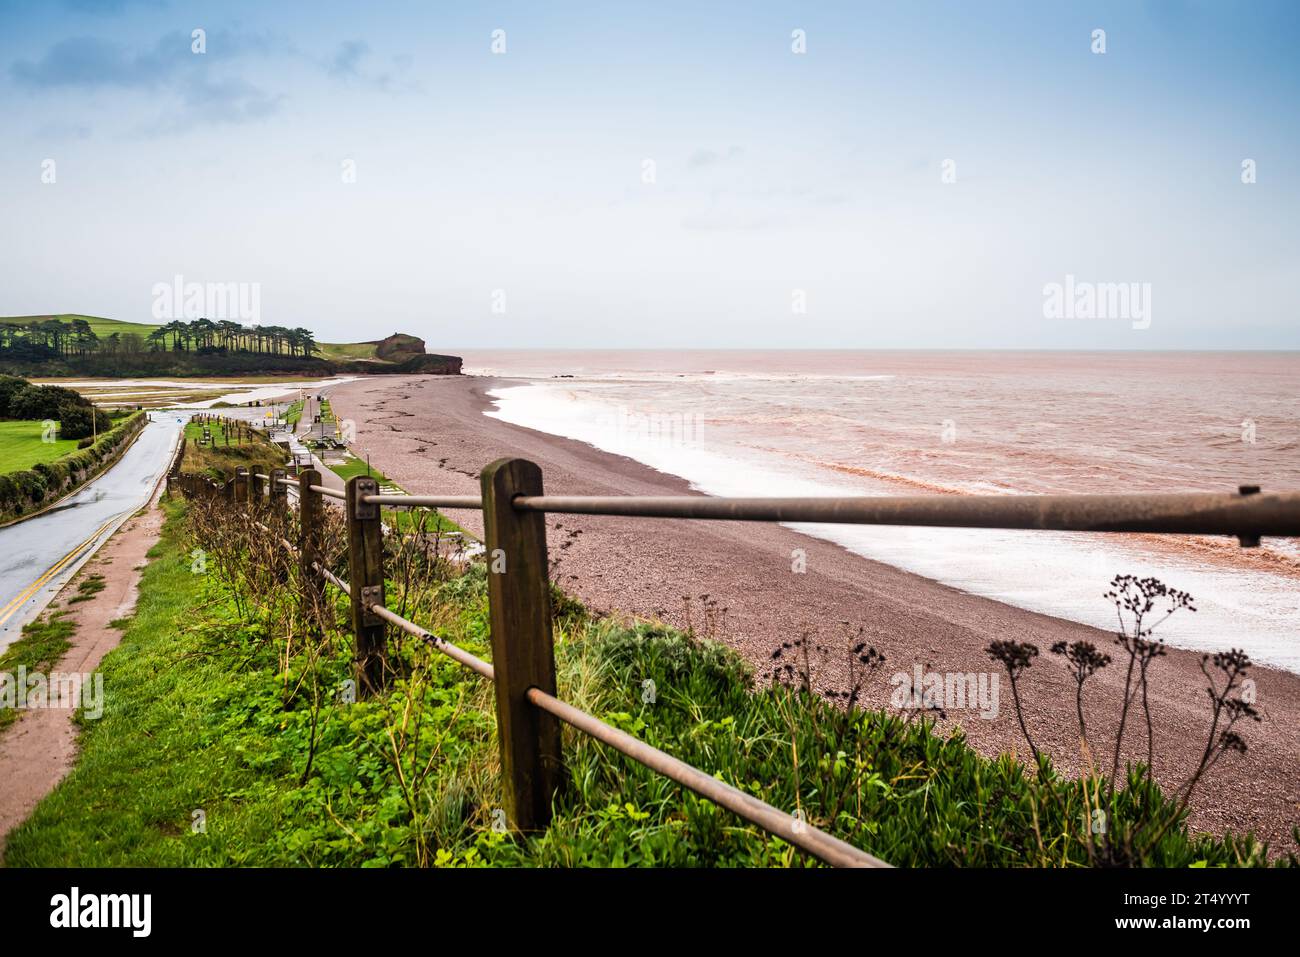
821,423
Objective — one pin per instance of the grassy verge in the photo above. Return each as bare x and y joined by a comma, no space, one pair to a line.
217,715
352,466
43,644
254,451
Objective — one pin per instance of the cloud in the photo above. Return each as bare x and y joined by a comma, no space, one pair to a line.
65,131
347,59
218,102
89,62
349,64
703,158
107,7
92,62
203,95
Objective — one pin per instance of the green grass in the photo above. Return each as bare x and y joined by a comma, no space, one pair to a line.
99,326
403,520
353,466
347,350
88,588
21,446
201,715
43,644
219,460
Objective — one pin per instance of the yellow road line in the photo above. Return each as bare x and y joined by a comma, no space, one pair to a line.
14,604
7,611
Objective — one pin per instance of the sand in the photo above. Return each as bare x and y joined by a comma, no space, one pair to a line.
430,435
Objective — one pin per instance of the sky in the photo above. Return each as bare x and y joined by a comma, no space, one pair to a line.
667,175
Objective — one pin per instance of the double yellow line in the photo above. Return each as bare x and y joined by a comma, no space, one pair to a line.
8,610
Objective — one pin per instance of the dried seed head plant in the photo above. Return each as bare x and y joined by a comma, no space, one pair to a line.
1016,657
1136,600
1084,661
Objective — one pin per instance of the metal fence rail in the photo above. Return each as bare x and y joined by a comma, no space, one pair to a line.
1246,514
529,713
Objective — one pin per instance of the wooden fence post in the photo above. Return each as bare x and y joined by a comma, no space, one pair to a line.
228,488
276,496
366,579
256,490
241,485
523,656
309,505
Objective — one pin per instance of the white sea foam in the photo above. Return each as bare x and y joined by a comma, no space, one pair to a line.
1058,574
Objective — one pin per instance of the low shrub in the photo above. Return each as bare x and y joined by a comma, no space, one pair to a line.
82,421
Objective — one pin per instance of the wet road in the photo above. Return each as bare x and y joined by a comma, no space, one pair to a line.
39,555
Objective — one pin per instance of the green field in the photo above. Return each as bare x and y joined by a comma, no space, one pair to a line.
21,446
347,350
98,325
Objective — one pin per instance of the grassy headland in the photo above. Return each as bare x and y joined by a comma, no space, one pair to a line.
70,344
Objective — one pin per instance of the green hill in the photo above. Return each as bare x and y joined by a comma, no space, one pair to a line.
76,344
100,326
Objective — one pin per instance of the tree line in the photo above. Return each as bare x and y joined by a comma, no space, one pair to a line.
54,338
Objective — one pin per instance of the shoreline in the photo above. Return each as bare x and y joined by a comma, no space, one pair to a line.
633,566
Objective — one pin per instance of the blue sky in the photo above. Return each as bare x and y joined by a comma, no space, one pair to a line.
520,178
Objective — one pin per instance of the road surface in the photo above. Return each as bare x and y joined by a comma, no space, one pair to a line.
39,555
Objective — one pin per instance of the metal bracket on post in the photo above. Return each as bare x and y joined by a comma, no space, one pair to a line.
366,510
371,595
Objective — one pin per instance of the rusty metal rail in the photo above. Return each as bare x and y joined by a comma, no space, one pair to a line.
425,501
442,645
792,830
1247,514
821,845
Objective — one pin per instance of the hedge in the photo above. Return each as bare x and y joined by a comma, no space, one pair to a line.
26,489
